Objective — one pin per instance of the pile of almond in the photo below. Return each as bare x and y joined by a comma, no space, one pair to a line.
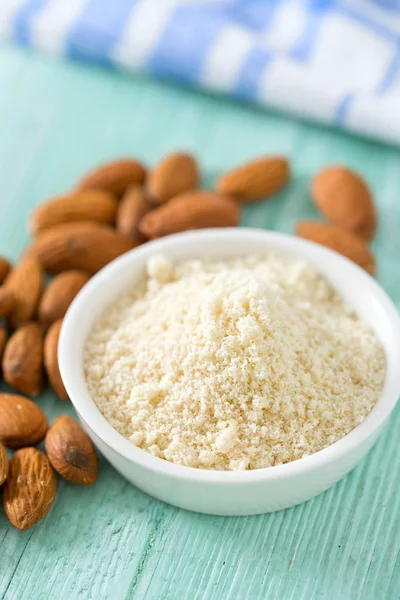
345,200
29,479
111,210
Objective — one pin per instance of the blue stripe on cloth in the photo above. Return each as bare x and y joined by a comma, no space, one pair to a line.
248,81
393,5
363,20
320,5
22,21
316,12
342,109
98,29
392,71
186,40
388,4
252,14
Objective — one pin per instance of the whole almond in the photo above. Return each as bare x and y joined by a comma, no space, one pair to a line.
30,488
59,294
22,422
84,205
344,198
192,210
338,239
256,179
174,174
3,464
87,246
71,452
114,177
51,360
133,206
23,360
26,283
7,301
5,268
3,340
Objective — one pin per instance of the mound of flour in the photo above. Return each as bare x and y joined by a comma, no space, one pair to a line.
237,364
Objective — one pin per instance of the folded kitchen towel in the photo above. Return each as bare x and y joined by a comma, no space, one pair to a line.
334,61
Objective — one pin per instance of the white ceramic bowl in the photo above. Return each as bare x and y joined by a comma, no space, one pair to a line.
242,492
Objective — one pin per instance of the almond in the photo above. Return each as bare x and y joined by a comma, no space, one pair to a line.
84,205
3,340
87,246
26,283
59,294
344,198
51,360
114,177
30,488
174,174
22,422
193,210
3,464
256,179
133,206
71,452
5,268
23,360
7,301
338,239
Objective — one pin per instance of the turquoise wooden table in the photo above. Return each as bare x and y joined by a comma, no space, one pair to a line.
111,540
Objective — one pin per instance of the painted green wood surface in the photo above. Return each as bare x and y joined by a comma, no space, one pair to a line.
111,540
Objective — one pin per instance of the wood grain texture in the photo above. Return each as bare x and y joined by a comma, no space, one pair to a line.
111,540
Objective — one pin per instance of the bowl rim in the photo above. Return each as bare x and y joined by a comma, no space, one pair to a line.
89,413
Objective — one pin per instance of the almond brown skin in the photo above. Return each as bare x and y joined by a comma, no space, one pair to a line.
174,174
22,422
71,452
344,198
255,180
340,240
133,206
7,301
88,246
192,210
59,294
3,464
30,488
25,281
23,360
83,205
51,360
5,268
3,340
115,176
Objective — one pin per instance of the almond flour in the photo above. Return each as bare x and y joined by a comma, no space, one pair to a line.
233,364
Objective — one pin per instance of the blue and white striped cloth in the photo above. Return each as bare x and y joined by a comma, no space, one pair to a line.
335,61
